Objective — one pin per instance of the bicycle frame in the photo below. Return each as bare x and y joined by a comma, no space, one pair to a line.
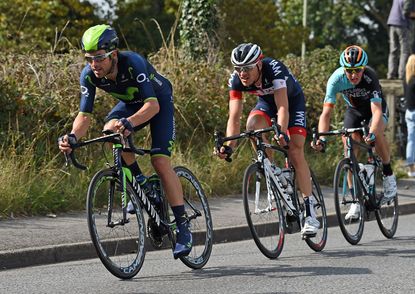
124,174
368,192
273,182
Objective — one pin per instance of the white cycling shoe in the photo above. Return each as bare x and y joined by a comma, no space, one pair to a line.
353,213
311,226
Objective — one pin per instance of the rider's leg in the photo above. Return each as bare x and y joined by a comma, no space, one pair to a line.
302,170
382,149
259,120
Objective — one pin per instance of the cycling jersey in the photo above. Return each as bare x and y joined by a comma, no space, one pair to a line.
358,96
275,75
137,81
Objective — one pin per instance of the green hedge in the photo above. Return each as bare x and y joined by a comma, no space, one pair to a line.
39,97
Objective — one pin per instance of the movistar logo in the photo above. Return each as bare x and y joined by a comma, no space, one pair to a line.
128,96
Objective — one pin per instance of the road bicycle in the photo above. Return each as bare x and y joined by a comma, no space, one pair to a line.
360,184
119,236
273,205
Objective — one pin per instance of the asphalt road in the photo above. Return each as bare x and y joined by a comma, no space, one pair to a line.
376,265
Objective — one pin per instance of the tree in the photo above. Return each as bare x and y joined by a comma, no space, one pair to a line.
198,23
261,22
143,24
27,24
341,23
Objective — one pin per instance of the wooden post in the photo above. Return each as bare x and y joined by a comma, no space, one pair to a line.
392,91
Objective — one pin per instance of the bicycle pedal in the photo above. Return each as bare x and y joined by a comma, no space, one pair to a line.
308,236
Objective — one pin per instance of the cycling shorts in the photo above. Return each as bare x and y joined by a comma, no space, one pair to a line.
296,108
353,118
162,125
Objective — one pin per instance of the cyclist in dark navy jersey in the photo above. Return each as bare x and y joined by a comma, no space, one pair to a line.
279,96
362,92
145,97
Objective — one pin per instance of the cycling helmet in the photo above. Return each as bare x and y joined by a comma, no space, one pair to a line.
246,54
99,37
353,56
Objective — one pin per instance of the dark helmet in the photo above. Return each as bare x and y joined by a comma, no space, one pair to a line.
99,37
246,54
353,56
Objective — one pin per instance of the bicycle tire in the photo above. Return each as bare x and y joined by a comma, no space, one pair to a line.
318,242
267,226
122,248
201,225
387,213
352,230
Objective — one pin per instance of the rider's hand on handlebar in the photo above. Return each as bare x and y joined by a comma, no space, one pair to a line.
282,139
64,143
320,145
124,126
224,152
370,138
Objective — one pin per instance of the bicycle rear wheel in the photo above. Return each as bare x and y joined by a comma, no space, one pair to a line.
120,246
197,208
318,242
352,228
263,213
387,213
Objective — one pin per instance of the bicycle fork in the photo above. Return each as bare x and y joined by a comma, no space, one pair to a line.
123,173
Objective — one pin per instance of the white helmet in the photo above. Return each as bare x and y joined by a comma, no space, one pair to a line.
246,54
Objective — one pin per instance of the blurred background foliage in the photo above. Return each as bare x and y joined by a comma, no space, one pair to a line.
189,42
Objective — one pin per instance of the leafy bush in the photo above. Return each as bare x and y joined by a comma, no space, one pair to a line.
39,97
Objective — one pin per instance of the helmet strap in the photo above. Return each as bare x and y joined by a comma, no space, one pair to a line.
259,75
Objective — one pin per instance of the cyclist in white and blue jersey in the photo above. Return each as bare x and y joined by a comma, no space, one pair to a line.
280,96
145,98
362,92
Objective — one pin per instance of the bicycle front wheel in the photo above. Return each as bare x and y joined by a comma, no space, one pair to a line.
119,243
350,210
197,208
318,242
387,213
263,212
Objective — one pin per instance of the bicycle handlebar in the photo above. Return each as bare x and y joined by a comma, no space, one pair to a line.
344,132
220,138
115,138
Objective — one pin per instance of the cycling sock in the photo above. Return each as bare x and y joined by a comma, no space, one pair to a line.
351,191
184,236
309,206
179,213
387,170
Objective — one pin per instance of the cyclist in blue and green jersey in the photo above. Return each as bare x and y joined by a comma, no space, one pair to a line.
145,97
362,93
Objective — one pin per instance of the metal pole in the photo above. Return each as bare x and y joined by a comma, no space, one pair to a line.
304,26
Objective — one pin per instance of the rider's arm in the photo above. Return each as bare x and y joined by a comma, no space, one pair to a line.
377,117
324,121
281,100
81,125
150,108
234,121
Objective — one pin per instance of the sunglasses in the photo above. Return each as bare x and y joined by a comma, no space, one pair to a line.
97,58
245,68
354,70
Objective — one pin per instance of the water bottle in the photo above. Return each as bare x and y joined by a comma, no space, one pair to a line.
286,172
155,184
370,169
278,172
145,186
362,170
